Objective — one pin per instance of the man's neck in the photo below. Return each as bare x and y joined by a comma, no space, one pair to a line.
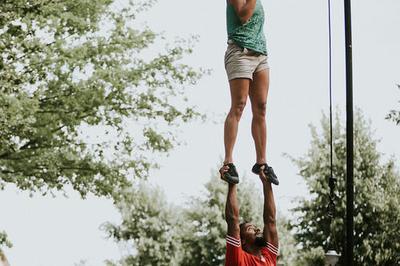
254,250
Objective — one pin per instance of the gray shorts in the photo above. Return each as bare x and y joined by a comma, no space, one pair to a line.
243,63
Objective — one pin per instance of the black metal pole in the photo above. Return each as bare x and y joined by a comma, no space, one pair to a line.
349,136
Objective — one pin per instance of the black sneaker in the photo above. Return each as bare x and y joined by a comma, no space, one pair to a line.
269,172
231,176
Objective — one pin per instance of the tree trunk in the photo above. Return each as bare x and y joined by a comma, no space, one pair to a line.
3,260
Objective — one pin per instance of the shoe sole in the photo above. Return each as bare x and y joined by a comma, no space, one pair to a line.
274,181
230,180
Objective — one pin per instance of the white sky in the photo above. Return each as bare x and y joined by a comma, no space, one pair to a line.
60,231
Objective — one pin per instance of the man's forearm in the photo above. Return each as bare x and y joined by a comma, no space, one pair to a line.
232,206
269,204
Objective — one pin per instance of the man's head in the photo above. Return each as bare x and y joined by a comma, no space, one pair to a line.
251,236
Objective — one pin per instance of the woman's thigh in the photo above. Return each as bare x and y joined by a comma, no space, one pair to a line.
239,90
259,88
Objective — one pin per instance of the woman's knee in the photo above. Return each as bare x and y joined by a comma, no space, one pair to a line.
260,108
238,108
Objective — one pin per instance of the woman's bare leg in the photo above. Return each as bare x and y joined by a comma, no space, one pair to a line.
239,93
258,96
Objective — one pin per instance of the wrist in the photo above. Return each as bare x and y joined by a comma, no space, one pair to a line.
266,184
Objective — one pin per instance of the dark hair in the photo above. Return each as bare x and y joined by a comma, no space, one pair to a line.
241,225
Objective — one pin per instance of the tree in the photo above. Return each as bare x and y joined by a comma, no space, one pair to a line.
149,228
377,197
78,98
288,253
394,115
3,260
4,242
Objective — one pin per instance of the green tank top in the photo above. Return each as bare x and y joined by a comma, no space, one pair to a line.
251,34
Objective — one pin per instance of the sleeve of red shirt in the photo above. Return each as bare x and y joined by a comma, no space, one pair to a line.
233,251
271,252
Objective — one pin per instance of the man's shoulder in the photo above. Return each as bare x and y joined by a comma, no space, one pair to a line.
230,240
270,252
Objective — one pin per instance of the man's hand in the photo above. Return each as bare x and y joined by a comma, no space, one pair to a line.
263,177
223,170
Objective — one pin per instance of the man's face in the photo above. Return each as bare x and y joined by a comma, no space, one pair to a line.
251,235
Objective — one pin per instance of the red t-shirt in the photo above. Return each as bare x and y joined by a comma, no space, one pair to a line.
236,256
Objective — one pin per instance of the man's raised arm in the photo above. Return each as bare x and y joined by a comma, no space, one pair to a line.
232,212
232,209
270,231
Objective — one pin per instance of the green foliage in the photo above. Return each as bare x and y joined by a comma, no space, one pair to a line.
149,228
314,257
377,197
4,242
394,115
288,253
203,232
159,234
79,100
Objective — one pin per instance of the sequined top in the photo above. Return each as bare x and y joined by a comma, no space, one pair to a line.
250,34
